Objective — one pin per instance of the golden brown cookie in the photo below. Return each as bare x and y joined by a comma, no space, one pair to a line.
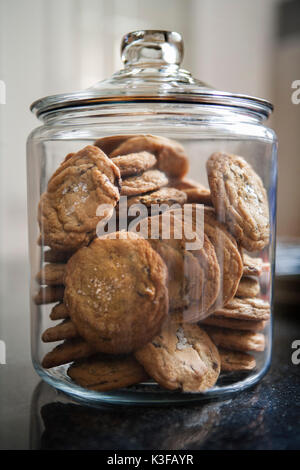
234,324
64,330
54,256
245,309
208,261
170,226
185,276
240,199
168,196
228,255
134,163
252,266
248,287
51,274
171,155
109,143
103,373
236,361
66,352
67,210
59,312
150,180
236,340
116,293
181,357
49,294
195,192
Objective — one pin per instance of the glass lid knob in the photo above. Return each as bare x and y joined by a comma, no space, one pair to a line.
149,47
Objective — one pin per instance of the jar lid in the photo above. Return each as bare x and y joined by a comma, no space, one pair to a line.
151,73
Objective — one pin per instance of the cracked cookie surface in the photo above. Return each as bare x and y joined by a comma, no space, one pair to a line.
240,199
116,293
181,356
67,210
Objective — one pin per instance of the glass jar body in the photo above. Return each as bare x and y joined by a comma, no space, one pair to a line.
202,130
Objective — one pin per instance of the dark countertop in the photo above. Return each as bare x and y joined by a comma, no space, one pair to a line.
34,416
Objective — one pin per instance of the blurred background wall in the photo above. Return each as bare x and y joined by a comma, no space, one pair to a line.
247,46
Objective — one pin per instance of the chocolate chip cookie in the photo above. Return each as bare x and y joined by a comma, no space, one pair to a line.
181,357
103,373
245,309
116,293
240,199
51,274
134,163
236,340
170,155
248,287
67,210
150,180
236,361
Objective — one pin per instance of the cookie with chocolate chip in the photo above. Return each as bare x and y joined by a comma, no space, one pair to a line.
134,163
171,156
67,212
150,180
116,293
240,199
103,373
181,357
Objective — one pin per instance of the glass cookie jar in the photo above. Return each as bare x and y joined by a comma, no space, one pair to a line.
152,202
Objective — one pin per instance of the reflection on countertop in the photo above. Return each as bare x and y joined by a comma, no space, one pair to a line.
264,417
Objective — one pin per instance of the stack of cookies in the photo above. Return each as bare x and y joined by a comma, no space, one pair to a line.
133,306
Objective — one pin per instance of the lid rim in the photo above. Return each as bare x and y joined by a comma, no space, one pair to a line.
248,103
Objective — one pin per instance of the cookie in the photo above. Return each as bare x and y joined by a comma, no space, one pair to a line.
49,294
236,340
51,274
245,309
207,259
107,373
150,180
54,256
168,196
170,155
59,312
116,293
236,361
195,192
248,287
170,226
252,266
109,143
234,324
199,195
228,256
134,163
181,356
240,199
64,330
67,210
185,276
67,352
